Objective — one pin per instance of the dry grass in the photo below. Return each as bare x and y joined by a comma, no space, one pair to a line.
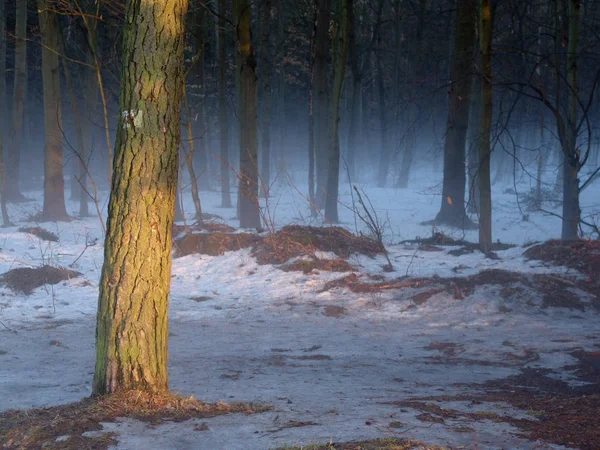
40,428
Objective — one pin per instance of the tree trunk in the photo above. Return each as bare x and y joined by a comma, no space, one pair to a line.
452,211
54,183
320,110
132,326
473,144
266,79
202,179
485,196
223,118
281,85
340,55
13,160
384,154
571,211
3,117
189,159
355,108
249,212
413,110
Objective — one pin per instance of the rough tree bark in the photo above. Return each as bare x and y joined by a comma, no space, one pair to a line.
54,183
13,157
223,116
452,211
132,321
485,192
340,55
249,212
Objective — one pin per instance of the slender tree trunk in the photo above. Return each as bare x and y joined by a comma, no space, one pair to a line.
202,180
340,55
13,160
540,164
417,75
249,212
54,183
223,116
385,153
355,106
132,326
281,85
452,211
79,187
571,211
485,199
3,114
189,159
320,110
311,122
473,144
266,79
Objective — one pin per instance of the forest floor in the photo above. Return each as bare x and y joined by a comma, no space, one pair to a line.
449,348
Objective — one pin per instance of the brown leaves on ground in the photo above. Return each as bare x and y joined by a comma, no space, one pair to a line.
295,240
40,428
581,255
26,279
40,232
292,241
213,244
555,290
376,444
559,414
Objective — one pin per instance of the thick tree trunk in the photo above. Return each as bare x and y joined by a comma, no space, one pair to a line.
340,55
452,211
571,212
132,327
249,212
54,183
223,116
485,192
320,99
13,160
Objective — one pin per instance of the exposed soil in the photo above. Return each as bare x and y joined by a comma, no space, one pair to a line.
40,232
68,426
26,279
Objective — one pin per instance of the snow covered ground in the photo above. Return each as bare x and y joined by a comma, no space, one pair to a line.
335,360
